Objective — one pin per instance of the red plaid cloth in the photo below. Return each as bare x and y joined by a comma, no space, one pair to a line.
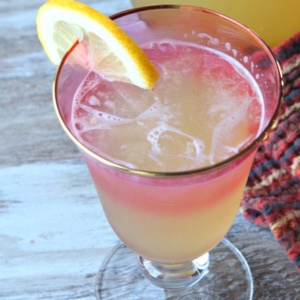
272,194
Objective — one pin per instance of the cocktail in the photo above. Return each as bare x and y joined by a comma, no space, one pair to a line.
258,15
170,163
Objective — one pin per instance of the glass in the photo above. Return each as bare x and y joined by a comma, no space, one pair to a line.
175,221
273,20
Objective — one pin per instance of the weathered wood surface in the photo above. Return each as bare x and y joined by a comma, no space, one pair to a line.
53,234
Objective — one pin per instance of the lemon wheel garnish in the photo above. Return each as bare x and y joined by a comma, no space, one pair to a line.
61,23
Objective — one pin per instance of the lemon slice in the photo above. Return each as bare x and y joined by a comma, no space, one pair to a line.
113,54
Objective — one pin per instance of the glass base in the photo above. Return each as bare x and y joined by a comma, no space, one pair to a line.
228,276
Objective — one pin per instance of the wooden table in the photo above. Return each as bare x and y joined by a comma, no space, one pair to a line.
53,233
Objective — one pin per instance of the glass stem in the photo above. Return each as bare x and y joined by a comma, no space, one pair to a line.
175,276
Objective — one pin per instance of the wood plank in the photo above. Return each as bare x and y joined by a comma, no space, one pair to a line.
53,233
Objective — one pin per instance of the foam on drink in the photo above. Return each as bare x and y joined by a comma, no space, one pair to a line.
205,108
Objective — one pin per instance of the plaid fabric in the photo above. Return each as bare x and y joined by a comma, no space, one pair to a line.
272,194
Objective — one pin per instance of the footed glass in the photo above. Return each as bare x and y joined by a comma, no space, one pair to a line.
172,220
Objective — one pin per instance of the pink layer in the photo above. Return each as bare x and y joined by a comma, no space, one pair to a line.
168,195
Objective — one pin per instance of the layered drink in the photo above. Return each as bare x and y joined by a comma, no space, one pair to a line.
205,109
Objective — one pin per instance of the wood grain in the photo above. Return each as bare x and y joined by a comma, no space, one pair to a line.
53,233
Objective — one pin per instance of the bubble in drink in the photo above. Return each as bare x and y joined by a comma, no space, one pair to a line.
205,108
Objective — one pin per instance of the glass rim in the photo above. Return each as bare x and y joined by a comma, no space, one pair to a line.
201,170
